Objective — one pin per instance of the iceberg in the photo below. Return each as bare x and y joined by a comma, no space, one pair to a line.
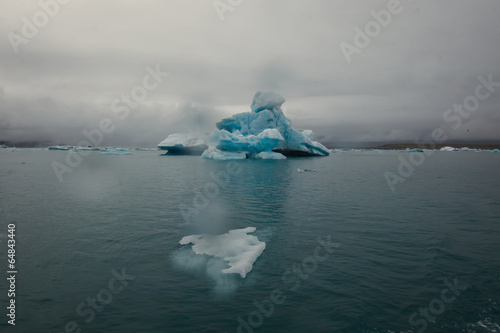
262,133
239,249
267,129
183,143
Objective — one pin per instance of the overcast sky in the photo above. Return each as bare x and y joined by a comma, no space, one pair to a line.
65,77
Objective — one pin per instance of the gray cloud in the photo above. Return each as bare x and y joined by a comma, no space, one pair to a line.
397,89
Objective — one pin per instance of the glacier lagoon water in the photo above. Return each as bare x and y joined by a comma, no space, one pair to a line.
399,252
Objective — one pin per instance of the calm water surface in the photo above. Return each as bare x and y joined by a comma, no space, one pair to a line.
424,258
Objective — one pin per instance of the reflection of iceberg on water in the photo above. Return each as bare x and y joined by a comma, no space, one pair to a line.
263,133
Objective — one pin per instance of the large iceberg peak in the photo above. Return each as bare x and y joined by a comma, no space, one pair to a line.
248,134
266,100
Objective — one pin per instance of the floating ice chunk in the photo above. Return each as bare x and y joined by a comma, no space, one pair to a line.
448,148
189,143
414,150
305,170
495,151
239,249
81,148
270,155
60,147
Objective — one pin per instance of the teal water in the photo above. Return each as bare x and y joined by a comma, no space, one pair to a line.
398,252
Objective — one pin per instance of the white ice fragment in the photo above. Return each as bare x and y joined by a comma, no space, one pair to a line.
181,142
270,155
305,170
239,249
223,155
448,148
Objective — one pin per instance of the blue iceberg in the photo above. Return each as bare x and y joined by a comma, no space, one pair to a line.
262,133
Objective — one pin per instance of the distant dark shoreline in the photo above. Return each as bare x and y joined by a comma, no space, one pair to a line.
402,146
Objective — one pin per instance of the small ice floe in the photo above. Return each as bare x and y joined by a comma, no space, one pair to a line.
306,170
236,247
448,148
270,155
495,151
88,148
114,151
414,150
146,149
60,147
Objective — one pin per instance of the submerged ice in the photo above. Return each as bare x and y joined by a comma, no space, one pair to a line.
236,247
263,133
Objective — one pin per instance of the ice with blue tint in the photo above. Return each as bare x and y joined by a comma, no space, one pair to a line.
260,132
236,247
235,145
